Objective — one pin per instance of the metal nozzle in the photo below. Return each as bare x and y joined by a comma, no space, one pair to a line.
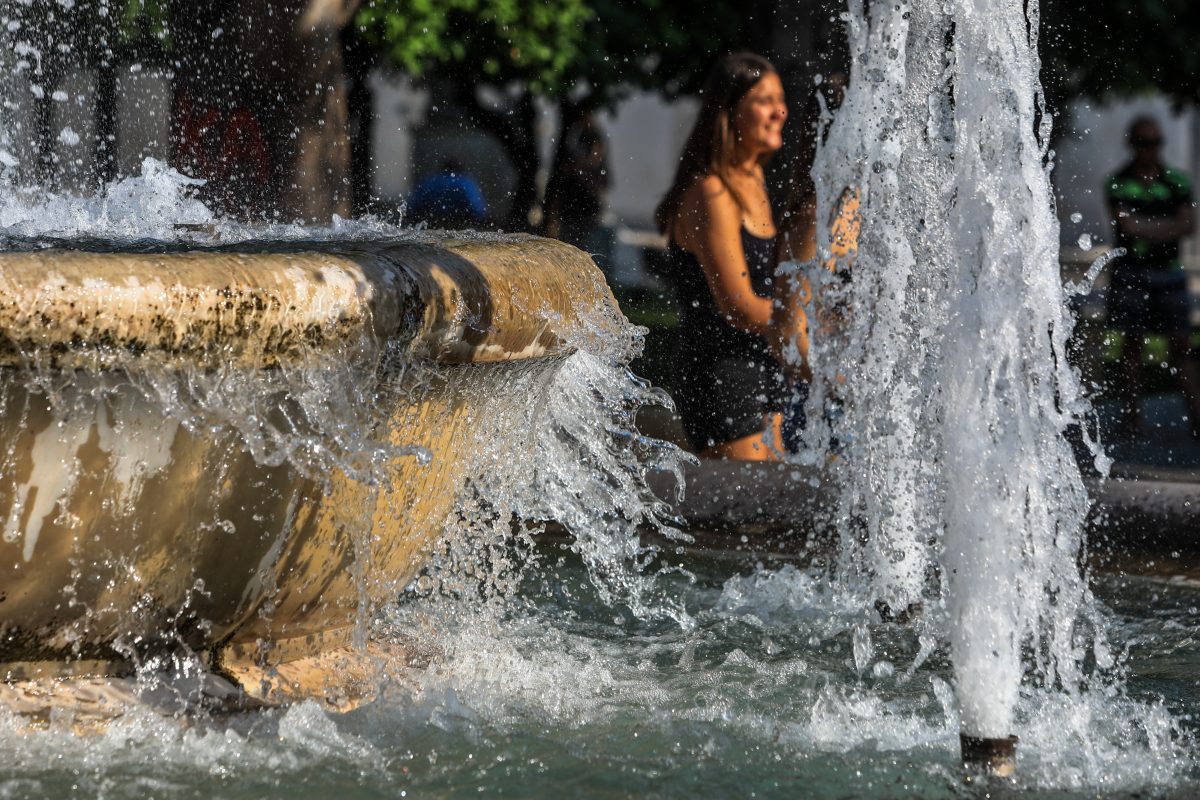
990,756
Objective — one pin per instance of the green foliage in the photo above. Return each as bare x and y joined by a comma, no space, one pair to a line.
599,47
143,25
1121,47
533,41
92,31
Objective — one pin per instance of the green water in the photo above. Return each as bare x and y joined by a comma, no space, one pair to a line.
769,695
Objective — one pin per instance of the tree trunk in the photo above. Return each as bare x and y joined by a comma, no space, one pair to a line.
362,124
105,152
43,126
569,113
528,162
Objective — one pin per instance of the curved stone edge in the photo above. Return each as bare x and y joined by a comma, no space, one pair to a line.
450,300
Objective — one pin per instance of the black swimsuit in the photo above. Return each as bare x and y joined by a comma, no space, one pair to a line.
725,378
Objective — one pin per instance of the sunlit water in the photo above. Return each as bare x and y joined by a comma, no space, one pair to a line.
594,675
958,485
559,694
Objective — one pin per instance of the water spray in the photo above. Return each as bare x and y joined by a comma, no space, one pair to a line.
958,328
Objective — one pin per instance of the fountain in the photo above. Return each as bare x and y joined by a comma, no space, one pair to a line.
134,513
229,444
279,465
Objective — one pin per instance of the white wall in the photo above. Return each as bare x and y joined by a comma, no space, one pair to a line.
143,118
1093,147
398,109
646,136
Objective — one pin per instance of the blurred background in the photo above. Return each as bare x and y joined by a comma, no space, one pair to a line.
558,117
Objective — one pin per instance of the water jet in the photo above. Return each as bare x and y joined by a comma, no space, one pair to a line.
961,392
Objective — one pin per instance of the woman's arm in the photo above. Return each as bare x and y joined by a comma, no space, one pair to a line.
716,241
793,291
1154,229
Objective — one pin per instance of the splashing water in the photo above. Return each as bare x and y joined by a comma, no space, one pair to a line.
563,449
770,682
556,441
157,208
956,468
758,698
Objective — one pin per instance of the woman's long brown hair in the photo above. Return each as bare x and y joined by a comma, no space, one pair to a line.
711,146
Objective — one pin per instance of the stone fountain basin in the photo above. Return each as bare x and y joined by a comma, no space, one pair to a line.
126,530
1140,522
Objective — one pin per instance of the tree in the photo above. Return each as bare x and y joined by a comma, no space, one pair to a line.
579,54
522,47
52,38
1120,48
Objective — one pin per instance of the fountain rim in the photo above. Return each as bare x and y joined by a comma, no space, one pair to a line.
267,304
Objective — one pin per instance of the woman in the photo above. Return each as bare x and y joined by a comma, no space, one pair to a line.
721,233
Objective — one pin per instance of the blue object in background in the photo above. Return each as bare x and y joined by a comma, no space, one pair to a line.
450,199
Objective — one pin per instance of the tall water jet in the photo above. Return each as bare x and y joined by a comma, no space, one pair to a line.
957,481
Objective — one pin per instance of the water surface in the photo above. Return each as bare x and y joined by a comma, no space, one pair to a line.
779,690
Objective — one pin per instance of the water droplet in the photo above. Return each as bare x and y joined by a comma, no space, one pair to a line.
1084,241
1077,218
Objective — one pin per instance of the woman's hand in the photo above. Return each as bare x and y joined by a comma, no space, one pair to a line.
789,338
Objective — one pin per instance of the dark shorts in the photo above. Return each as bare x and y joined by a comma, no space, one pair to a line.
795,418
795,421
725,399
1149,300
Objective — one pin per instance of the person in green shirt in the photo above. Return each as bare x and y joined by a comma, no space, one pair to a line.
1150,205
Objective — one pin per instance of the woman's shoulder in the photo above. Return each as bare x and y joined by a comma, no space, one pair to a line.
706,184
710,184
707,203
709,194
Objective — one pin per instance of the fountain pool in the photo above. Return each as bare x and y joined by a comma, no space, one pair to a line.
599,667
770,694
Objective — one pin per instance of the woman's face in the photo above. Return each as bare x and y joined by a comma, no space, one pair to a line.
759,116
